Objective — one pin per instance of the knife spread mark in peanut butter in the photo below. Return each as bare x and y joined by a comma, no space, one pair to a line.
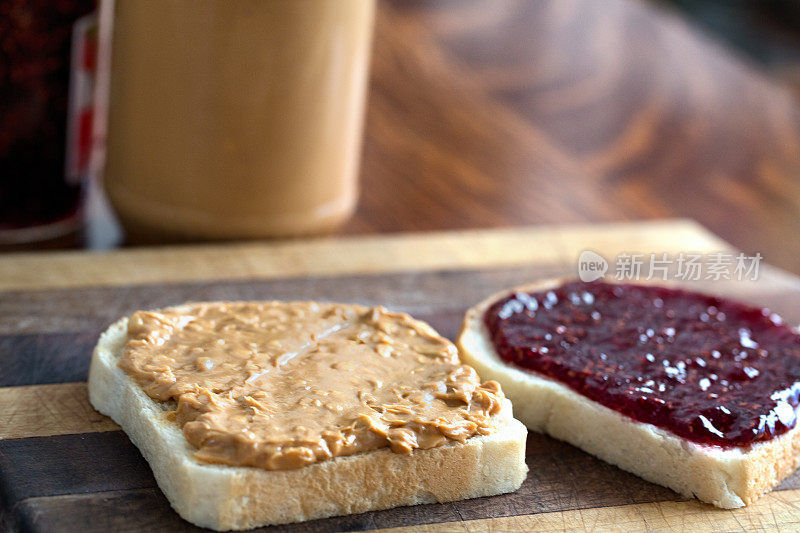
281,385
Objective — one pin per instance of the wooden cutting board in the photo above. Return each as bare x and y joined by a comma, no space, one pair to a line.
64,467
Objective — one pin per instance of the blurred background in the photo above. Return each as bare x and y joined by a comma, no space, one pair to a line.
480,113
767,33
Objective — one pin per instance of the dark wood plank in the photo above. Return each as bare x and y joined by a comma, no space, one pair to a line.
122,511
40,358
432,294
148,510
86,476
419,293
70,464
106,485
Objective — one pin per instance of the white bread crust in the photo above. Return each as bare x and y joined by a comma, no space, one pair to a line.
223,497
727,478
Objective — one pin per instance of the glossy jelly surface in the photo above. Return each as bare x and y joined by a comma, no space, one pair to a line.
709,369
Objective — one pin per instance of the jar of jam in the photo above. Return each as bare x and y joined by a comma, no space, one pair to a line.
40,195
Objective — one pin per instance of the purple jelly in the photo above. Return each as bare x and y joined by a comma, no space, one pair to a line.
709,369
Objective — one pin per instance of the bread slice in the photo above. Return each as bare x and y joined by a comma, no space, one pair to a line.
727,478
223,497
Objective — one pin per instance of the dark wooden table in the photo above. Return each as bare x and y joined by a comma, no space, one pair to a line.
487,113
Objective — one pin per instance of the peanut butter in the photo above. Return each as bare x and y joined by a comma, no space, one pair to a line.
234,119
282,385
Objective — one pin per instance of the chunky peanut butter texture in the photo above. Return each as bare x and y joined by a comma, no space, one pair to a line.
282,385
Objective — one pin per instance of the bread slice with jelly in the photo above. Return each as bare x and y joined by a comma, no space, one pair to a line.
225,497
726,476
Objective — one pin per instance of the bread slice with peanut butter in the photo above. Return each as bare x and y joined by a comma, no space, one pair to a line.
257,413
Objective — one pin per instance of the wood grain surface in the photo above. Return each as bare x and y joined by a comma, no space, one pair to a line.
487,113
353,255
64,467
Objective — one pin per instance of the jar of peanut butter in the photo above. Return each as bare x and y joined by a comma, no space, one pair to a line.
234,119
